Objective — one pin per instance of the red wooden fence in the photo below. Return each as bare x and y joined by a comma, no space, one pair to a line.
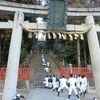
75,71
23,74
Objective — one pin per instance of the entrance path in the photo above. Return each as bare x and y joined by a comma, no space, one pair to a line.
48,94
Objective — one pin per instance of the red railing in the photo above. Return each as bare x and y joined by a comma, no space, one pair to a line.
75,71
23,74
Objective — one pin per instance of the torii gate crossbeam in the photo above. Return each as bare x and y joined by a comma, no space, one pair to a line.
43,26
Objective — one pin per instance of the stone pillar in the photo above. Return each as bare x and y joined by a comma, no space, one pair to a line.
13,58
94,49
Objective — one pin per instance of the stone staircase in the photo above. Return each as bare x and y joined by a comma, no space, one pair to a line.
37,69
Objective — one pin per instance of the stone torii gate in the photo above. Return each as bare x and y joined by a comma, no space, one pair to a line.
15,46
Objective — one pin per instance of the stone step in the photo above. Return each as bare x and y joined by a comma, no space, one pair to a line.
39,83
39,86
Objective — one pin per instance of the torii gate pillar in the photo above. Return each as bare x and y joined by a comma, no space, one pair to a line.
13,58
94,52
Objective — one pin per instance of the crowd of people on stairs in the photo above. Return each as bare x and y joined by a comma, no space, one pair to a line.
75,83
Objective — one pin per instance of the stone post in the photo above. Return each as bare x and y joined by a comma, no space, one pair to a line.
13,58
94,49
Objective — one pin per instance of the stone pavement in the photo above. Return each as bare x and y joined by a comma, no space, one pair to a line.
48,94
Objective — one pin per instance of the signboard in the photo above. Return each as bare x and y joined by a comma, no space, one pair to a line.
57,15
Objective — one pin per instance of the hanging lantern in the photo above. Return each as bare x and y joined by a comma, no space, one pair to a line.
60,36
54,36
81,37
76,36
64,36
30,35
71,37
